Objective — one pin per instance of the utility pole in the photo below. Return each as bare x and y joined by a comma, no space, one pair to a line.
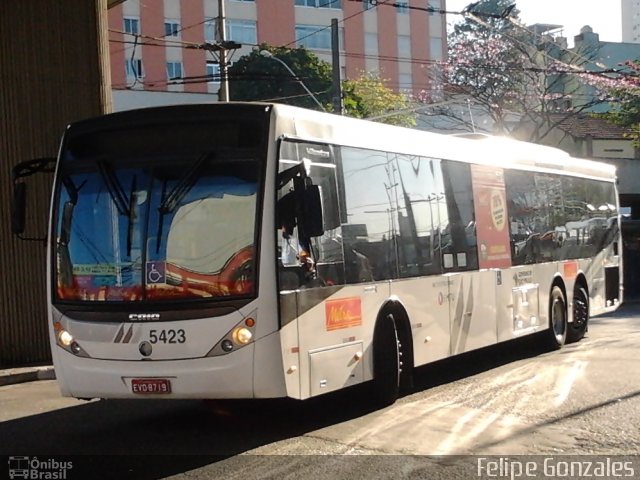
335,69
223,96
219,49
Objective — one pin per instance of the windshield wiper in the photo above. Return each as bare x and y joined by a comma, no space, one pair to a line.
132,199
116,192
184,185
169,203
124,205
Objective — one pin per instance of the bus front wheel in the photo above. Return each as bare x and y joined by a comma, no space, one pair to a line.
387,365
557,333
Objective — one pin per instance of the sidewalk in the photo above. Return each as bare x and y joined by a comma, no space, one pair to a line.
11,376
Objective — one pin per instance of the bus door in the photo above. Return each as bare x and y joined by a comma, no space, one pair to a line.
314,272
475,247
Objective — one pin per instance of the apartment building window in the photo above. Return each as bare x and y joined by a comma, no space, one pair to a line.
174,70
319,3
213,72
133,68
371,43
402,6
242,31
210,30
404,46
435,48
435,5
314,36
405,81
132,25
171,28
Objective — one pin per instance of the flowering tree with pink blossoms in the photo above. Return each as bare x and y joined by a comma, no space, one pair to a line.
507,71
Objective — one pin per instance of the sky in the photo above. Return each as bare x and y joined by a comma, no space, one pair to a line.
572,14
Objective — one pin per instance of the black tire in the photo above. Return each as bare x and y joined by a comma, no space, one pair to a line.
557,333
578,327
386,362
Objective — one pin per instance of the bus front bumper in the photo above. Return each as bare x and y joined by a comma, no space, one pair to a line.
227,376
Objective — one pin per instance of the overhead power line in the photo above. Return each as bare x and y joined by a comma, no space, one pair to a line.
469,12
570,67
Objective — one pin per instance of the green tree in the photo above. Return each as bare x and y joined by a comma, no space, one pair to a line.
368,97
255,77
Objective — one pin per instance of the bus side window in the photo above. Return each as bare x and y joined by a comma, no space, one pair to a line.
358,268
369,218
458,240
420,212
520,188
556,217
317,261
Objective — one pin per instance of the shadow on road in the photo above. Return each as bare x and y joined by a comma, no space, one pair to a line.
626,309
150,439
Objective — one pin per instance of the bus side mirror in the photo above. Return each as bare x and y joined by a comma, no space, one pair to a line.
18,208
19,199
312,221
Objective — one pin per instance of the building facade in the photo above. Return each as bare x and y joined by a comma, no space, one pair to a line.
631,21
156,45
592,54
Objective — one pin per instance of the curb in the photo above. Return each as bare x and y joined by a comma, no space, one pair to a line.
29,374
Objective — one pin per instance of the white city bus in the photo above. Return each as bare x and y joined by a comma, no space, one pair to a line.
258,250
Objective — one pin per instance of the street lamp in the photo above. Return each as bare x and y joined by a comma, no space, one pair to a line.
268,54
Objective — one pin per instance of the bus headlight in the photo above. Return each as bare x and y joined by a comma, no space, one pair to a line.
68,342
242,335
65,338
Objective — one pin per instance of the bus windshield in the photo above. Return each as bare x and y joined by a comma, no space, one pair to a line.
159,227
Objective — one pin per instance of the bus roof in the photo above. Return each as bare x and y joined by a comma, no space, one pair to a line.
483,149
326,127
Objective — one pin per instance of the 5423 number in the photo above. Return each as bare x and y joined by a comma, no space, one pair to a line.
167,336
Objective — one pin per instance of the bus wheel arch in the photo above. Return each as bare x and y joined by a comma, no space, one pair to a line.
580,310
392,353
558,315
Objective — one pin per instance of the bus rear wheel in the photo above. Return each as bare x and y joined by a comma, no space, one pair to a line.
557,333
578,327
387,365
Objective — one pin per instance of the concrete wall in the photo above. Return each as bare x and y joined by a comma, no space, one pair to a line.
53,70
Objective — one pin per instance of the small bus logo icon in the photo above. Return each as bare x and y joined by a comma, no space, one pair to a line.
18,467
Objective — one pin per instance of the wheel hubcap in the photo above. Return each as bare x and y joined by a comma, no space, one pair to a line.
580,312
558,319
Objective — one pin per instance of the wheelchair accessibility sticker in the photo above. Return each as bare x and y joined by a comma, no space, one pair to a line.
156,272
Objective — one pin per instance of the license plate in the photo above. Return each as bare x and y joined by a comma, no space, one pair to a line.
150,385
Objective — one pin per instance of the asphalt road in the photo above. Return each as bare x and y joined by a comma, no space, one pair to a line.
505,401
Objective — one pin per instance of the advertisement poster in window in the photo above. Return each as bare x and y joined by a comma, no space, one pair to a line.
492,222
